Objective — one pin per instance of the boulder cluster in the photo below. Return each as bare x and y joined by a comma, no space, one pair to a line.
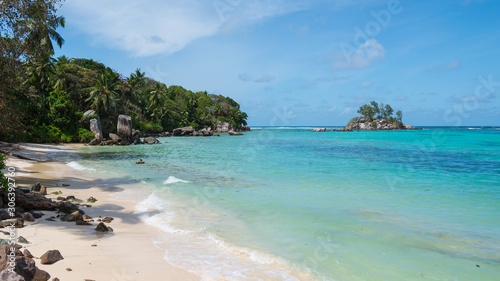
318,130
24,268
363,123
29,203
126,135
225,127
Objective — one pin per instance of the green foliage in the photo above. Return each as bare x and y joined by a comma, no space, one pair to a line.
352,121
4,184
148,127
374,124
62,114
46,134
379,111
42,98
104,93
367,111
84,135
90,64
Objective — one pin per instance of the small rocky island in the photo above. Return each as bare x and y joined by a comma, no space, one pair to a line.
377,116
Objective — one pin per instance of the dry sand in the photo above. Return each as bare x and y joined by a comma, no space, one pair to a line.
126,254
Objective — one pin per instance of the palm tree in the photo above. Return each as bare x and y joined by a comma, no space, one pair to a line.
134,81
157,97
63,60
104,93
40,29
39,73
60,80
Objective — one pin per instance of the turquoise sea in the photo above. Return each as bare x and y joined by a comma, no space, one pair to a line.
284,203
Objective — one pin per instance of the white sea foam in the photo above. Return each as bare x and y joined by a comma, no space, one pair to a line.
79,167
214,259
173,179
204,254
474,128
152,211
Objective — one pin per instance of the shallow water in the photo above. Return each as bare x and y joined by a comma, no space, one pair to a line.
290,204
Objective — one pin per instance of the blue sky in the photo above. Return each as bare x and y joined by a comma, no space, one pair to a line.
306,62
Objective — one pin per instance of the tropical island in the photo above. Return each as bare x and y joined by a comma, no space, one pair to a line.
43,99
377,116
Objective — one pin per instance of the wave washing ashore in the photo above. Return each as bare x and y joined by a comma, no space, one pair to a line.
290,204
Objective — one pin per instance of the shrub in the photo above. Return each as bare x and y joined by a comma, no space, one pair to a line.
194,125
156,128
84,135
46,134
352,121
149,127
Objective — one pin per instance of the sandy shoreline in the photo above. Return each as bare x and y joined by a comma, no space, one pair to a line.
126,254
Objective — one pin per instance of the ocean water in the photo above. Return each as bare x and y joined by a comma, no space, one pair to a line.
285,203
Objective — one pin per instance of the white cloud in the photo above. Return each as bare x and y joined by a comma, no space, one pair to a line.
364,56
145,28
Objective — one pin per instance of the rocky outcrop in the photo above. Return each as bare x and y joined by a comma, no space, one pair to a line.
94,142
51,257
233,133
151,140
75,216
378,124
32,201
10,276
95,128
319,130
185,131
136,136
225,127
24,267
206,132
101,227
67,207
244,129
88,113
191,132
124,128
115,138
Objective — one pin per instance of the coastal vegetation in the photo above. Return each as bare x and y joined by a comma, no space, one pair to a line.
377,116
380,111
43,99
